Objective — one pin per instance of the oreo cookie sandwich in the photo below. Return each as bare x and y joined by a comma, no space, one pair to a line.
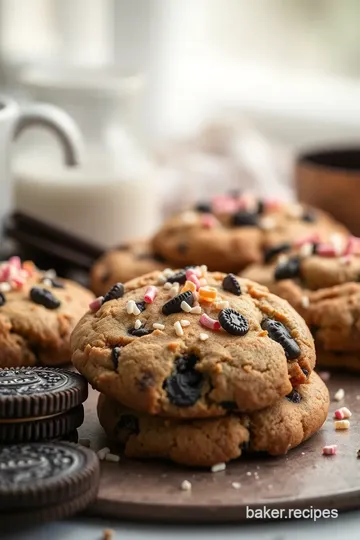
40,404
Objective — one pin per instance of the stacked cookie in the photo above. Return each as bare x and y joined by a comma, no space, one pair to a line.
321,280
196,366
228,234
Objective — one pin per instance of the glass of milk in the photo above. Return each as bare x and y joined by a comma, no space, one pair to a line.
113,196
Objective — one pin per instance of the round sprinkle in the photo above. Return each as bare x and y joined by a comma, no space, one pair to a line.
44,298
208,322
184,323
158,326
150,294
203,337
341,424
218,467
279,333
185,307
116,291
2,299
233,322
185,485
174,305
329,450
96,304
231,284
178,329
138,324
288,269
339,394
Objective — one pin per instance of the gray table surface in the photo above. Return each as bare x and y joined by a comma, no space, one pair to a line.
346,526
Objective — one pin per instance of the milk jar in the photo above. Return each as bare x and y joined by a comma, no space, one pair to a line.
112,197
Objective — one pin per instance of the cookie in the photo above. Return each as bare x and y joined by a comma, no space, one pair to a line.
123,264
203,443
59,479
165,348
233,232
37,314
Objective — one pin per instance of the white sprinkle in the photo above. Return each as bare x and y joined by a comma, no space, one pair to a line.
303,453
267,223
158,326
138,324
85,442
5,287
222,305
184,323
167,272
112,457
185,307
47,282
295,210
236,485
203,269
130,306
305,302
338,242
339,395
196,309
178,329
185,485
283,258
248,473
203,336
103,453
306,250
174,291
189,217
218,467
136,310
341,424
161,280
51,274
168,285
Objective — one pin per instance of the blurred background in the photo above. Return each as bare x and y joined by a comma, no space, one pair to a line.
180,98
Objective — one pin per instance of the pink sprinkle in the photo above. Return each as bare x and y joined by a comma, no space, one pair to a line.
339,414
150,294
195,280
196,270
273,204
329,450
352,246
208,322
208,221
96,304
224,204
310,239
15,262
18,281
326,250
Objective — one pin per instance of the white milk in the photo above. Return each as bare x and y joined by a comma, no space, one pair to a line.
103,202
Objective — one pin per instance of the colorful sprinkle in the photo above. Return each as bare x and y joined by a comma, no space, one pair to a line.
208,322
218,467
158,326
150,294
184,323
174,291
178,329
138,324
185,307
196,310
203,336
339,395
309,239
329,450
305,302
208,221
341,424
96,304
189,286
207,294
342,413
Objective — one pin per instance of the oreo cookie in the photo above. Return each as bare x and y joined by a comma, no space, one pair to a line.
116,291
178,277
231,284
174,305
279,333
46,481
184,386
233,322
288,269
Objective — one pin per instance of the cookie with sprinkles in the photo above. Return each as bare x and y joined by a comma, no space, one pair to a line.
236,230
195,347
38,312
209,441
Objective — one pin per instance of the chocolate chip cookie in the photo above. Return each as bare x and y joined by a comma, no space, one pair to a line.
189,343
232,232
122,264
203,443
37,314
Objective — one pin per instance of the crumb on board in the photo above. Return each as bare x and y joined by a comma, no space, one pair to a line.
185,485
108,534
339,394
218,467
236,485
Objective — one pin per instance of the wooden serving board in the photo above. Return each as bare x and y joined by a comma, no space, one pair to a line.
303,478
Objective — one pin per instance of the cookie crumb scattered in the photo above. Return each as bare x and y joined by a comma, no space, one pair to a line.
218,467
248,473
203,336
178,329
236,485
112,457
85,442
341,424
103,453
329,450
108,534
324,375
158,326
185,485
339,395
